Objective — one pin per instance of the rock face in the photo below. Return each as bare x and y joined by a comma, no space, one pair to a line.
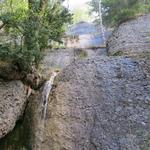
103,103
59,59
12,103
100,104
131,37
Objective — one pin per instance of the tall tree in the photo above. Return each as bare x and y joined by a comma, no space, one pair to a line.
34,21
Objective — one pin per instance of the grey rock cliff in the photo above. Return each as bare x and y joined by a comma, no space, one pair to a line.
103,103
131,37
100,104
12,104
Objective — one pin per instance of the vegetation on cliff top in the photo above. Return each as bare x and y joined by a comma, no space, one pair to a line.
117,11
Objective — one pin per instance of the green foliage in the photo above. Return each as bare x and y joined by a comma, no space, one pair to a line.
118,53
118,11
82,54
30,27
81,15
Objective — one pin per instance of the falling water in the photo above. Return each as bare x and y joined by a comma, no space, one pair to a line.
40,126
45,94
101,21
52,3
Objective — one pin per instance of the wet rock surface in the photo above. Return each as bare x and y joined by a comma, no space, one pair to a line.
131,37
100,104
12,104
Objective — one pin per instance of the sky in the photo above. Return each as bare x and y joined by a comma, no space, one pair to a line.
76,4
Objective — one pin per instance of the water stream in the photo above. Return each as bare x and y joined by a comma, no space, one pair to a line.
45,94
40,133
101,21
29,132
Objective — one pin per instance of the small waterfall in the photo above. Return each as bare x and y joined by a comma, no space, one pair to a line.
40,126
101,21
29,133
45,94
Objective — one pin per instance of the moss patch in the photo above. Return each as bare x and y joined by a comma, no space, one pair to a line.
118,53
17,139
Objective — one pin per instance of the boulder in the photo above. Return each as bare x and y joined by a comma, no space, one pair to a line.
131,37
12,104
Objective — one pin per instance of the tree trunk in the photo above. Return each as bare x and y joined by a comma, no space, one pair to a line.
30,4
43,5
2,25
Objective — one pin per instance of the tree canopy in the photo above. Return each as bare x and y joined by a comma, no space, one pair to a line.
29,26
117,11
